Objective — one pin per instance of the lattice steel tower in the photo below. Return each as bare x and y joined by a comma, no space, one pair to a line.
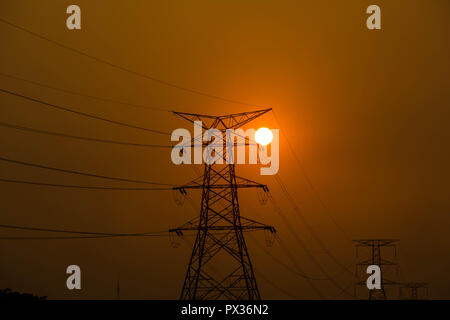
416,290
220,266
374,247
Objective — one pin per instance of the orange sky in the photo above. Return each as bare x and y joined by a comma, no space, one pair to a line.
366,111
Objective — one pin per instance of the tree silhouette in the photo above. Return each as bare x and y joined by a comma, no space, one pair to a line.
8,294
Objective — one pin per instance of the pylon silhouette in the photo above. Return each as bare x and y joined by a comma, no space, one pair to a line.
374,247
220,266
414,289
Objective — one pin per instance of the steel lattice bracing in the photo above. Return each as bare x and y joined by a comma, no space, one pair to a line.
220,266
229,121
374,247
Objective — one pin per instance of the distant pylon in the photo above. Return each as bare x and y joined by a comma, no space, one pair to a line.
416,290
220,266
374,250
118,290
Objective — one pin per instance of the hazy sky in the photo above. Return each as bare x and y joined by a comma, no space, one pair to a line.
365,110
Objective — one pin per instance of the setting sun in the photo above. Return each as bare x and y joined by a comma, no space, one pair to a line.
263,136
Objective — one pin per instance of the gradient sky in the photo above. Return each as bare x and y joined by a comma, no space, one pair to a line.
366,112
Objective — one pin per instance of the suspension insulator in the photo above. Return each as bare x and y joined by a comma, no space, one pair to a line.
269,236
179,196
174,238
262,196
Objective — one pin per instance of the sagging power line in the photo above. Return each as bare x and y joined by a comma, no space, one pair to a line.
82,173
84,234
308,179
307,251
69,186
70,136
87,115
86,95
308,226
15,227
139,74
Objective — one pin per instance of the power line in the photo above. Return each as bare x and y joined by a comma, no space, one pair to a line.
281,263
308,180
6,226
274,285
64,135
78,186
297,272
133,144
307,251
294,234
82,113
142,75
291,257
85,95
307,225
82,173
80,237
86,234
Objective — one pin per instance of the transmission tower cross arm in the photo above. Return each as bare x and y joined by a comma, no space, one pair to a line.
229,121
246,225
371,242
381,262
183,188
386,282
414,285
221,181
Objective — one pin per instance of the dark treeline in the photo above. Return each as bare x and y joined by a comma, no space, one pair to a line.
9,294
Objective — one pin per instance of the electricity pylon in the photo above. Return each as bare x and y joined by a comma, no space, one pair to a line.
220,247
414,289
374,247
118,290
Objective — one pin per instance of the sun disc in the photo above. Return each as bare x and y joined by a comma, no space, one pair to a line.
263,136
